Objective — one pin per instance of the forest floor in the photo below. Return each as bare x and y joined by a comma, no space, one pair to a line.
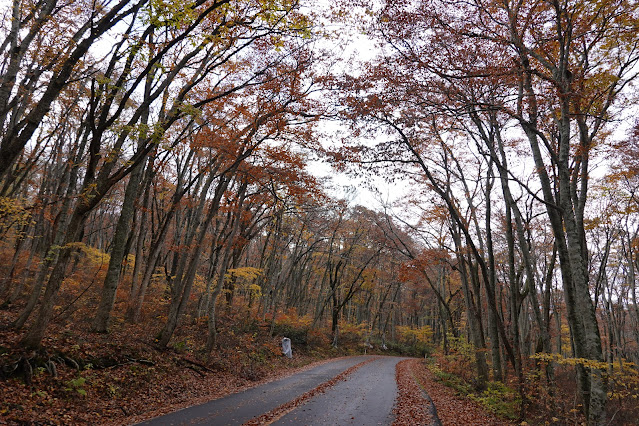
123,377
79,377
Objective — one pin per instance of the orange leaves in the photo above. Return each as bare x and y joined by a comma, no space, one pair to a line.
427,261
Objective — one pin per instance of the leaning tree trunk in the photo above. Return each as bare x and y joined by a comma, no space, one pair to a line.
34,336
118,252
474,321
180,299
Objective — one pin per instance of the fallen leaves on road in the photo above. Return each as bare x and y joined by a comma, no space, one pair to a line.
412,408
221,386
282,410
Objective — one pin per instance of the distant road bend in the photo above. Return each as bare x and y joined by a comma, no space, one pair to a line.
365,397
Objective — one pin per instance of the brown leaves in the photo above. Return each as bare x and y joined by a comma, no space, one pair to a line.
412,407
451,408
124,379
275,414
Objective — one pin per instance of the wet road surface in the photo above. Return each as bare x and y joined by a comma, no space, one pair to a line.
366,397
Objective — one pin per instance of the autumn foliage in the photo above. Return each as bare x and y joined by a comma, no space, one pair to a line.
162,210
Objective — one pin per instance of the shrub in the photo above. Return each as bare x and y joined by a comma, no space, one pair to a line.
293,326
351,333
298,336
499,399
412,341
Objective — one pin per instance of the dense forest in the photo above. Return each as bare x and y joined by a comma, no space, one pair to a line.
158,170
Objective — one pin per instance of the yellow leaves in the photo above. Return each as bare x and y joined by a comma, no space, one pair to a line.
245,278
189,110
280,14
415,335
12,213
623,378
247,273
93,255
164,13
88,193
255,290
350,331
559,359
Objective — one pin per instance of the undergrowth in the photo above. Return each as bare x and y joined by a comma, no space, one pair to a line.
497,398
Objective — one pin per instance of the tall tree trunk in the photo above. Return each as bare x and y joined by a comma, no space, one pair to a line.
473,316
118,252
491,282
183,287
211,337
34,336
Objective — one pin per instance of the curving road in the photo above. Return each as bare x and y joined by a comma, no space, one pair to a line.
366,397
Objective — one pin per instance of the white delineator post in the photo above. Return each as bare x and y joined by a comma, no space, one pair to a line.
286,347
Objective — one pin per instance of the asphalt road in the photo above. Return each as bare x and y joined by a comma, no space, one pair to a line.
366,397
